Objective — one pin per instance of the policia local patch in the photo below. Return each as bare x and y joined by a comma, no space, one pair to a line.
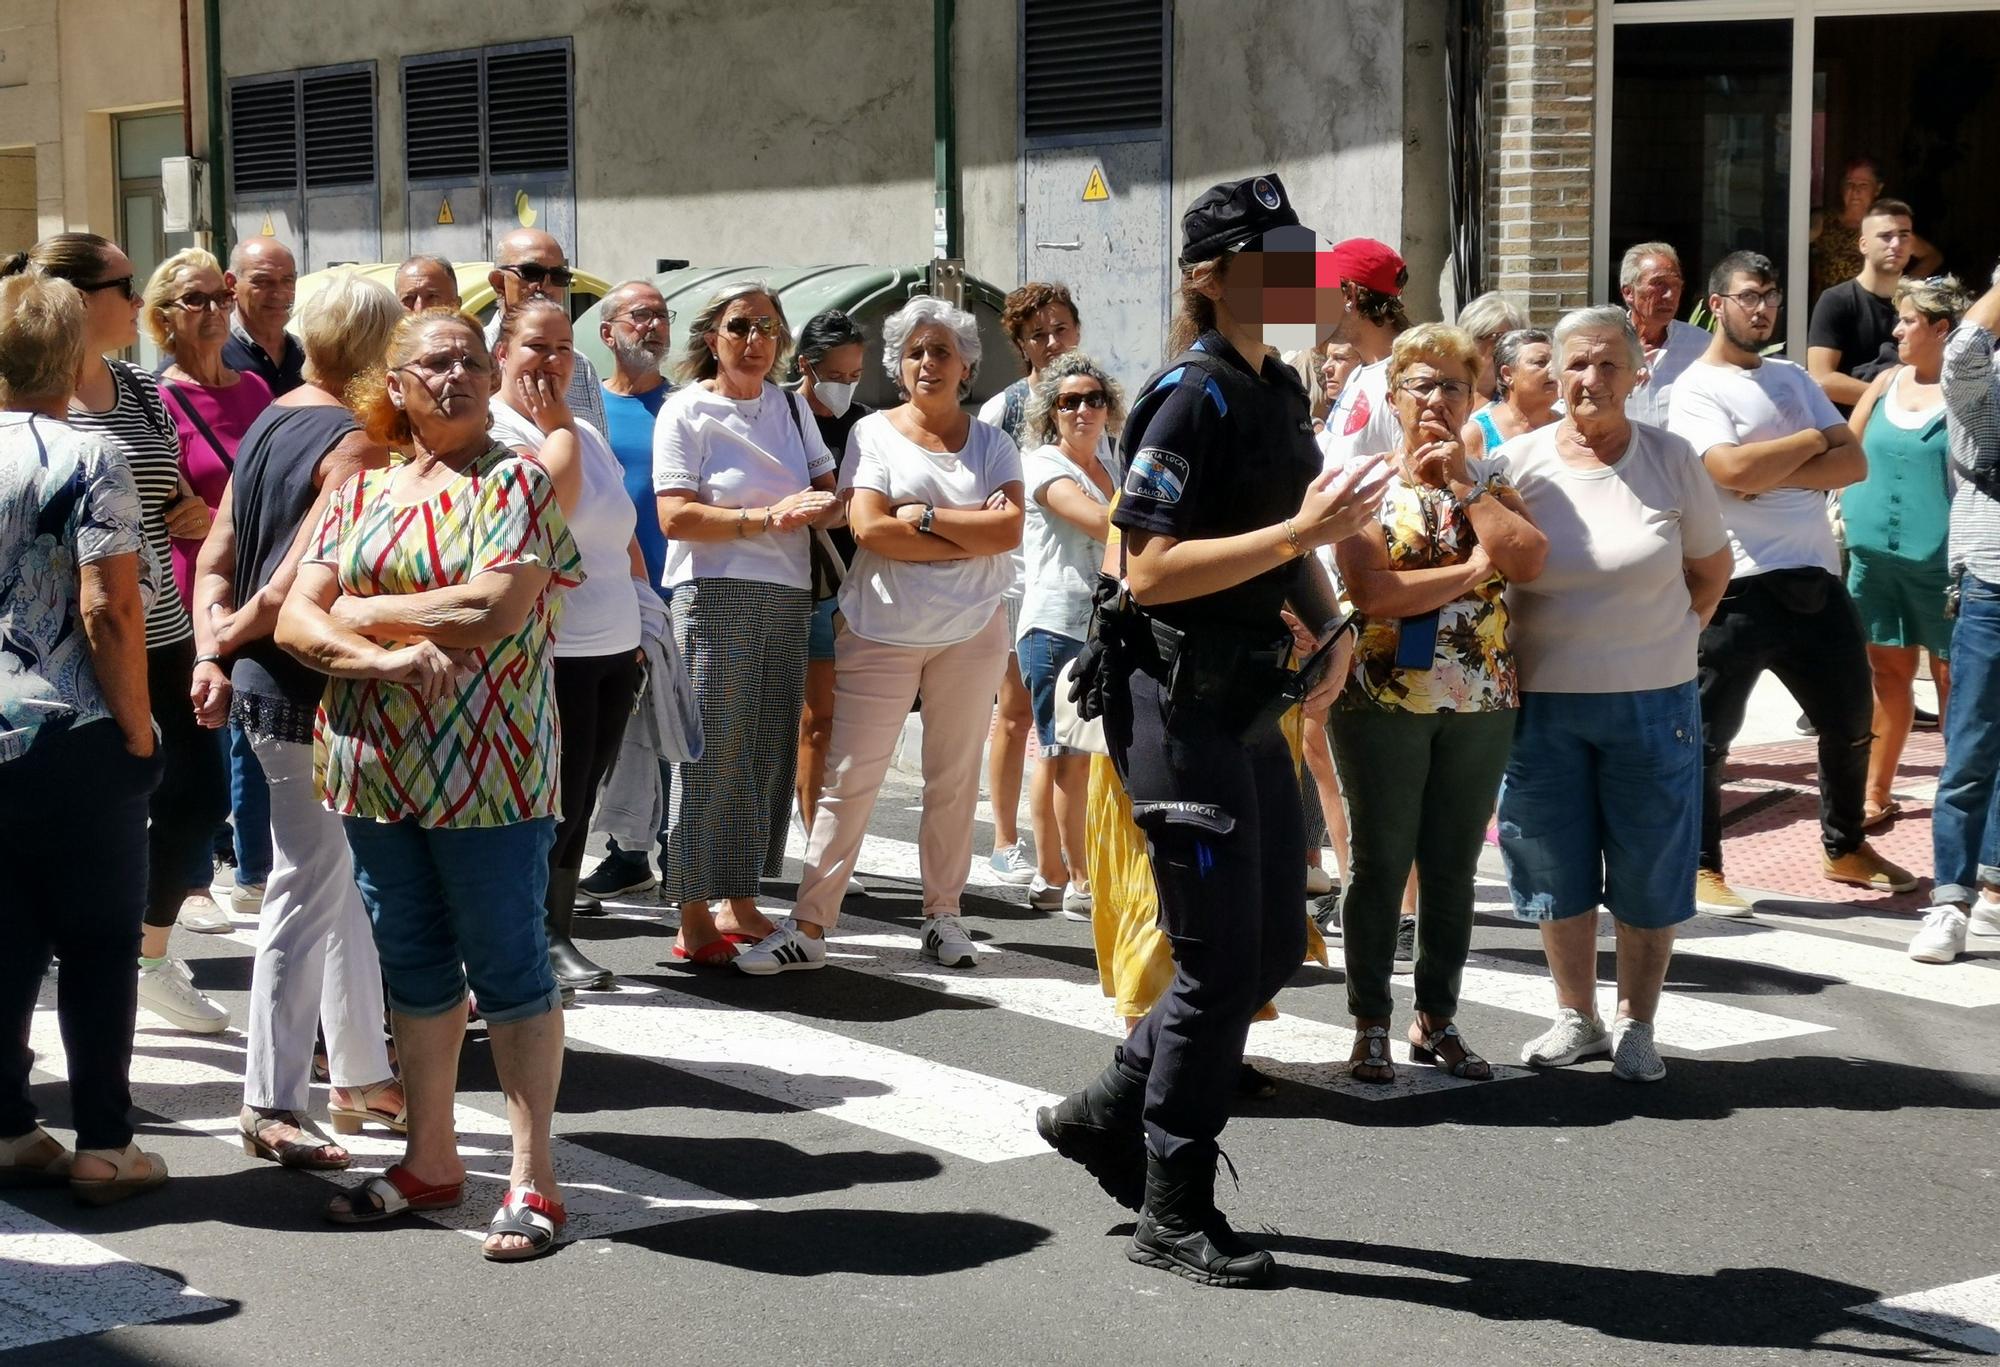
1159,475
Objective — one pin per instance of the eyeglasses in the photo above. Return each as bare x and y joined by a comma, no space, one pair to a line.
123,284
741,328
1424,388
1751,300
529,273
444,365
1070,403
643,318
194,301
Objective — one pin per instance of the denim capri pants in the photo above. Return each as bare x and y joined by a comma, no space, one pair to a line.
1042,654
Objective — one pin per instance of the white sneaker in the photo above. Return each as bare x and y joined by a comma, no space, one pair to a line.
245,899
168,991
1573,1036
1318,881
946,941
1633,1057
783,949
1985,918
1044,895
200,914
1077,903
1941,938
1011,862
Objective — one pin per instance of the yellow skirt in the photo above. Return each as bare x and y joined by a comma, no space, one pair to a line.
1135,960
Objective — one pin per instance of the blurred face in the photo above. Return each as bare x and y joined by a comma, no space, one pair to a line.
425,285
1655,297
265,289
111,304
840,365
198,307
1885,242
1748,311
932,368
539,347
1486,341
445,385
1919,340
1048,334
745,340
635,328
1531,380
1433,402
1082,408
1859,188
1597,375
1275,291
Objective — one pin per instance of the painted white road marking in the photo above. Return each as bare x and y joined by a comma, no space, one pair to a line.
1966,1312
1686,1022
56,1285
1879,968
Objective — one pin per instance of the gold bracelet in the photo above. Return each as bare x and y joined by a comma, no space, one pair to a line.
1292,535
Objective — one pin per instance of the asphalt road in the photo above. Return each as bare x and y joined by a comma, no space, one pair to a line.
838,1167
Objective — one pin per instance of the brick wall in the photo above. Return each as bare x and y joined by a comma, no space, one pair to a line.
1540,75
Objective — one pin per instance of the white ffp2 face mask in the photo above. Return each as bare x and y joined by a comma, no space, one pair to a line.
836,397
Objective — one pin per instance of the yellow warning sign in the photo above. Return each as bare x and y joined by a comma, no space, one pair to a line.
1095,190
444,212
268,230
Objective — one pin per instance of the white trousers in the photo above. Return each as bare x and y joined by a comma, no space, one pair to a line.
315,959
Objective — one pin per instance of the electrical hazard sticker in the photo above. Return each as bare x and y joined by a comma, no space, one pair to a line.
1158,475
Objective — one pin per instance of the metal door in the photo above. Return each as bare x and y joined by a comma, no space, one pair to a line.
1096,220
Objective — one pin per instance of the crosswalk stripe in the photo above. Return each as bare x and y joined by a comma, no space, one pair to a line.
1686,1022
1965,1312
56,1285
982,1118
1879,968
198,1084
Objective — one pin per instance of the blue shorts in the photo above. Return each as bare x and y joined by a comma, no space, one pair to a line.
1601,805
1042,655
819,636
453,906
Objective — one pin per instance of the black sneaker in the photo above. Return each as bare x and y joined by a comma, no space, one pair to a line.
1804,726
1924,720
1326,915
1406,946
619,874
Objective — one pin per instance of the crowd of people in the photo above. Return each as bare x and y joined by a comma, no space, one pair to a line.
394,611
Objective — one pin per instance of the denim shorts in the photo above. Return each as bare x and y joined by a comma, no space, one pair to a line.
1601,805
819,636
1042,655
458,906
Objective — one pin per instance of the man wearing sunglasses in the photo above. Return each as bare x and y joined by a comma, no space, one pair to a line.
529,263
264,277
1776,447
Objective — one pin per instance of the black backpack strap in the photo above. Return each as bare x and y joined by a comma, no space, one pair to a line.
182,402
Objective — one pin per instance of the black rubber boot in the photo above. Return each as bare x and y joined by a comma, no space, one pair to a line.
1181,1231
573,971
1099,1128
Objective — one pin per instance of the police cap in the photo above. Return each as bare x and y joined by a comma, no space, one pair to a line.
1230,215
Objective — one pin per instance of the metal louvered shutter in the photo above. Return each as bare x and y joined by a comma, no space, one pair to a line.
264,136
442,119
527,111
1093,66
339,123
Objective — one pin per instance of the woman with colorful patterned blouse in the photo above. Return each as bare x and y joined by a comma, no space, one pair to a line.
78,756
1421,732
428,595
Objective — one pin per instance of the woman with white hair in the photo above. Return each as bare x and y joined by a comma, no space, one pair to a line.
316,965
741,475
1488,318
1601,801
934,500
1524,393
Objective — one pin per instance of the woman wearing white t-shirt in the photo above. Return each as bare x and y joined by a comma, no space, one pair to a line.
1601,802
1070,476
597,633
934,500
741,475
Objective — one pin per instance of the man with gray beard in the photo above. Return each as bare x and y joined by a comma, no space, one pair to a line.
633,323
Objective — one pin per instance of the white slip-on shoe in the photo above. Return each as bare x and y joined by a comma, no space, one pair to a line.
1941,938
1985,918
784,949
201,914
1572,1036
946,941
246,898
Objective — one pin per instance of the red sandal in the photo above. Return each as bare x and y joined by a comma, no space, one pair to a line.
531,1215
714,954
396,1192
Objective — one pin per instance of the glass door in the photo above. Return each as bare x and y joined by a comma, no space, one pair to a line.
144,140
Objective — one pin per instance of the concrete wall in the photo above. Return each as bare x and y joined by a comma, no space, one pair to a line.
18,229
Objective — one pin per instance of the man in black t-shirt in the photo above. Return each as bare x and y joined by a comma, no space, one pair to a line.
1853,332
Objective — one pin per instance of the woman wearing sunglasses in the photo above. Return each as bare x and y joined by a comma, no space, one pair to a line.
741,475
120,403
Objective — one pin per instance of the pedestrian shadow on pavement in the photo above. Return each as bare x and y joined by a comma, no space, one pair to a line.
815,1243
1744,1308
815,996
752,1169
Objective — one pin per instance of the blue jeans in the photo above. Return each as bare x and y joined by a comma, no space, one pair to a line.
1042,654
453,906
249,808
1965,821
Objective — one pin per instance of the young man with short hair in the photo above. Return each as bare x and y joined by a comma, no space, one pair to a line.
1852,337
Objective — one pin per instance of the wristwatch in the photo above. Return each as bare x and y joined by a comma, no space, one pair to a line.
929,517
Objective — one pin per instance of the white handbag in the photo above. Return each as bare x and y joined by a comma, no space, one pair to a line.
1072,731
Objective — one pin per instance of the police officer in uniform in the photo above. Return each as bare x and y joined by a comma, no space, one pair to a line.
1222,507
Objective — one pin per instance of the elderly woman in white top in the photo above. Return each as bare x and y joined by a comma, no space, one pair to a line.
934,499
1070,475
742,475
1601,802
596,641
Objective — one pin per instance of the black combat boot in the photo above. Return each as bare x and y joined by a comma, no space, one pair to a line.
1181,1231
1099,1128
573,971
